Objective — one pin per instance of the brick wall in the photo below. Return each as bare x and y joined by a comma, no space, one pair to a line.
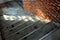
48,9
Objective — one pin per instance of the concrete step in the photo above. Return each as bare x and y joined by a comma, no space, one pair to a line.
40,32
17,28
53,35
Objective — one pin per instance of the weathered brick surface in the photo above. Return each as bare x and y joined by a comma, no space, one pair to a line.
48,9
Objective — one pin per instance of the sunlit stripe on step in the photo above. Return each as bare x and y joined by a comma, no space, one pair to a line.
49,33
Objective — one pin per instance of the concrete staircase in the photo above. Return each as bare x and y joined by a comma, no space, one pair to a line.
29,27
